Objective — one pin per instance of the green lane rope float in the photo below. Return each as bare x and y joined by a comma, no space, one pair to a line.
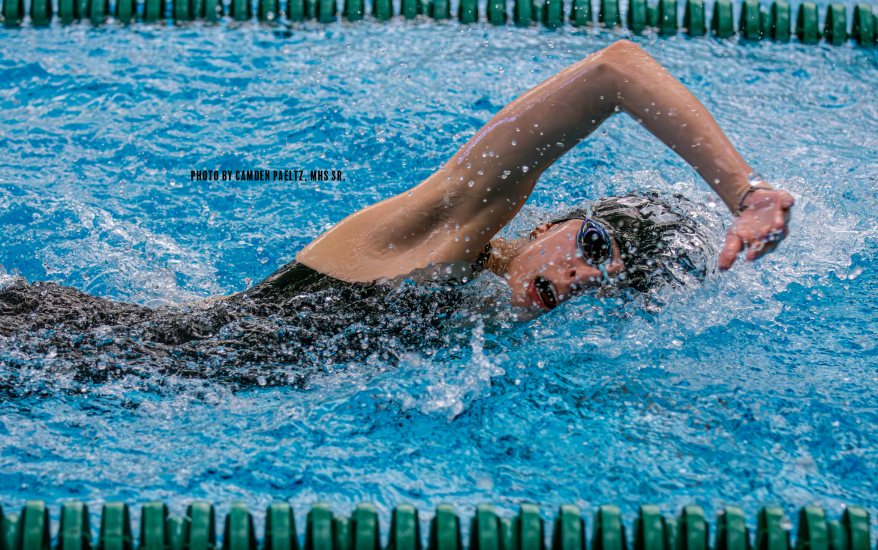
693,18
553,13
863,29
270,9
780,28
41,12
610,15
638,16
580,13
323,530
723,22
522,12
666,22
468,11
807,27
756,22
153,10
750,26
835,29
239,10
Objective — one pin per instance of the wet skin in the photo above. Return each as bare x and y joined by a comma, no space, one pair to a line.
554,257
456,211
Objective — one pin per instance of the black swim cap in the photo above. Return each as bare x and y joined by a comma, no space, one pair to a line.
659,243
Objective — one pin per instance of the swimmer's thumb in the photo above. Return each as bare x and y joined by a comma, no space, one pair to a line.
734,244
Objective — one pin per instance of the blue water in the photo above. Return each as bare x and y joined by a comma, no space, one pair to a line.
758,387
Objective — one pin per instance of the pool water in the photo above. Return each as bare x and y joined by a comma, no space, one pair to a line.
757,387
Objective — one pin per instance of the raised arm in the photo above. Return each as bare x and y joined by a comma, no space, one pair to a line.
454,213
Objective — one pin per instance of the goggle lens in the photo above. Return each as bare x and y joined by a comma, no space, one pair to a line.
594,242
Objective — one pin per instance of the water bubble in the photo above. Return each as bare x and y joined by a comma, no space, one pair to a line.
468,165
716,181
390,245
491,154
711,202
471,183
466,238
513,142
524,169
484,154
854,273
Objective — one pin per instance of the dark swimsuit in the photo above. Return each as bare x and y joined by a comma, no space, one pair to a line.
295,322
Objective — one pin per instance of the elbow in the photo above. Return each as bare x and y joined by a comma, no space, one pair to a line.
623,47
621,56
621,61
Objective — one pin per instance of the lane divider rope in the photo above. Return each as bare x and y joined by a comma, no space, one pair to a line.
323,530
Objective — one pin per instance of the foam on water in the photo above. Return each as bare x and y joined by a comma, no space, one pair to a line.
758,386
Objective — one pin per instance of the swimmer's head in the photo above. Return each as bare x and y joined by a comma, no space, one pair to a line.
561,259
651,243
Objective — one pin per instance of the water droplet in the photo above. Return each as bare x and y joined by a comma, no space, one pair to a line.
466,238
484,154
491,154
390,245
480,173
716,181
711,202
524,169
854,273
468,165
513,142
471,183
411,193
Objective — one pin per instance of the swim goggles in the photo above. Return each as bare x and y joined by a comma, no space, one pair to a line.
595,243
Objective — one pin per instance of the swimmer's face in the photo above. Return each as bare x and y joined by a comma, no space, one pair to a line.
550,269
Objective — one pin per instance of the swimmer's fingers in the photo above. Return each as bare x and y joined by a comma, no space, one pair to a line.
766,244
764,223
734,244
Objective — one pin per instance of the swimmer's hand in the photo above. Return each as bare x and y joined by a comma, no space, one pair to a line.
762,225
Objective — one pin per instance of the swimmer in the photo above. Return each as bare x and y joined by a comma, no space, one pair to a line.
454,214
384,281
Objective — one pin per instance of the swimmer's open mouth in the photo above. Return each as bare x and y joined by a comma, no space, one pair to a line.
543,289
